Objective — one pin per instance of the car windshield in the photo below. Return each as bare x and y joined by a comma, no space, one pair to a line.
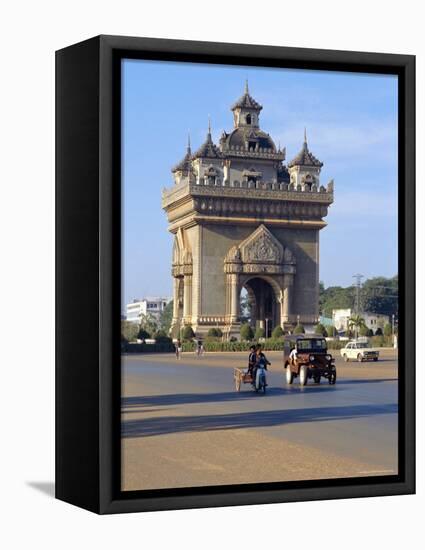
311,344
361,345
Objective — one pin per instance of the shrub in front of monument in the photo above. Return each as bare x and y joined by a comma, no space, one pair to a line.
379,332
246,332
320,329
214,335
187,333
188,346
299,329
277,332
273,344
161,337
143,334
259,333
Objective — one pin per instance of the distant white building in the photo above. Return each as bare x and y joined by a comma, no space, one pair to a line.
147,306
373,321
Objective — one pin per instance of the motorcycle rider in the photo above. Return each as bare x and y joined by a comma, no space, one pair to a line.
252,359
262,362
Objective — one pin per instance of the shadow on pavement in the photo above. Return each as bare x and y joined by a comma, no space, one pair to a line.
127,403
343,382
178,424
217,397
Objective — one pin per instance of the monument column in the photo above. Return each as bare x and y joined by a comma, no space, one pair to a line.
187,298
176,282
286,301
234,297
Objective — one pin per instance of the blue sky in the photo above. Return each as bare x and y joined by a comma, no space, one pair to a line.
351,122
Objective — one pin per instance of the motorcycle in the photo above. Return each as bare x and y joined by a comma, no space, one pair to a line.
260,382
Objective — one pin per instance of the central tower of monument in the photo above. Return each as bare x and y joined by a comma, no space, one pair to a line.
241,218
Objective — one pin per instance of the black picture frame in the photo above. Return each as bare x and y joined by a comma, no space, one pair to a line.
88,150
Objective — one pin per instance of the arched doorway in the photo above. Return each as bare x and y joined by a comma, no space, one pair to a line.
259,298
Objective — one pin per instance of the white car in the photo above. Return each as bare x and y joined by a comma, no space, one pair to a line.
359,351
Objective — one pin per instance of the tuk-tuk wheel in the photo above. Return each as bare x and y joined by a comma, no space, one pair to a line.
332,378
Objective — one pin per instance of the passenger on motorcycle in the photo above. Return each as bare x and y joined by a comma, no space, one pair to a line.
262,362
252,359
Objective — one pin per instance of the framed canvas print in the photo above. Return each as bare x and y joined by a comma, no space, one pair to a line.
235,274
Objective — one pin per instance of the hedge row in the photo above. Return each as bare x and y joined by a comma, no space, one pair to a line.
147,348
268,345
277,345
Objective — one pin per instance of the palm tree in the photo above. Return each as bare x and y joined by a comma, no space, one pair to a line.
357,322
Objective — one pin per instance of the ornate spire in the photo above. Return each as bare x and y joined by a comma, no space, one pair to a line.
185,165
305,157
208,149
246,101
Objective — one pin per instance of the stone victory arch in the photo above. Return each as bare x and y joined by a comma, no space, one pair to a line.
241,218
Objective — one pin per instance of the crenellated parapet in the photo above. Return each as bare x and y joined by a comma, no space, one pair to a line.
271,201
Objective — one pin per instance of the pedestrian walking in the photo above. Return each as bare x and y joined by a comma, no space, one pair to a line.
178,347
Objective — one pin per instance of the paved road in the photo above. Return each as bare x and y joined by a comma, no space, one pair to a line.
183,424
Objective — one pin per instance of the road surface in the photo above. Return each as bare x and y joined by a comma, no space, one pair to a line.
184,425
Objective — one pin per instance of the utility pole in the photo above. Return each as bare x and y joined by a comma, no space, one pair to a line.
358,277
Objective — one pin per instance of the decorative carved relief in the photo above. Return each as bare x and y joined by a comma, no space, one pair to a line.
261,246
261,252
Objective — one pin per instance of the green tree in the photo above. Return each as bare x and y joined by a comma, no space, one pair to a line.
299,329
148,323
187,333
356,322
215,333
377,295
364,331
380,295
332,331
320,329
245,307
378,331
335,297
246,332
129,331
277,332
143,334
166,317
388,330
259,333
